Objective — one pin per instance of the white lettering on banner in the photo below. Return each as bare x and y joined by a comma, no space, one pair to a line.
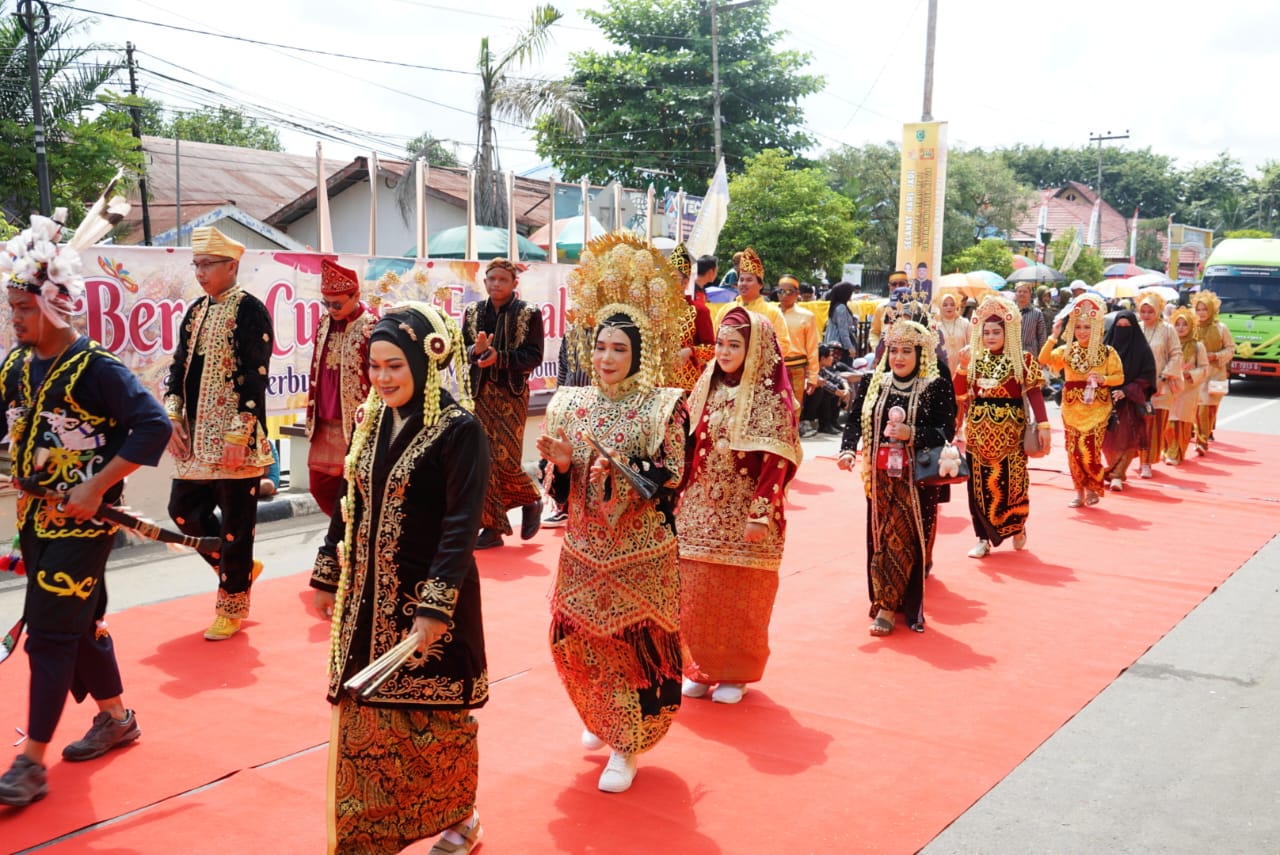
134,306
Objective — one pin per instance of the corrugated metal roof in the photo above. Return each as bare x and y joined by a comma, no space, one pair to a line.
257,182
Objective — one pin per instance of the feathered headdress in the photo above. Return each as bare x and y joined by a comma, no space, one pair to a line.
36,263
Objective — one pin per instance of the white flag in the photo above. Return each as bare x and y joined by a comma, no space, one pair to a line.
711,219
1095,221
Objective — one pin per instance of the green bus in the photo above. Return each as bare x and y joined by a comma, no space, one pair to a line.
1245,274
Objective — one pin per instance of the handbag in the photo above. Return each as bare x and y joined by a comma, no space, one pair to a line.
929,464
1218,387
1030,433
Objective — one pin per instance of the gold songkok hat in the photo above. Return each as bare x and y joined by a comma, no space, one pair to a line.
680,260
336,279
207,240
750,263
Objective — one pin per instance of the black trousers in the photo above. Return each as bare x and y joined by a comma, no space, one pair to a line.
191,507
67,650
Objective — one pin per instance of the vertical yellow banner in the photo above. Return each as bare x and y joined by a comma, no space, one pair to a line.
921,202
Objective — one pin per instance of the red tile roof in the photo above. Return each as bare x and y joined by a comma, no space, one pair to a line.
1072,206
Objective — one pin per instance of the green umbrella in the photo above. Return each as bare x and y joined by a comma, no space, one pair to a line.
491,242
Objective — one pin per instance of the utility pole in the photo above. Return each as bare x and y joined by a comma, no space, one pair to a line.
136,113
28,12
931,34
716,8
1100,139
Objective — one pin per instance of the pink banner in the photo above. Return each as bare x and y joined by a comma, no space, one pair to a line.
135,298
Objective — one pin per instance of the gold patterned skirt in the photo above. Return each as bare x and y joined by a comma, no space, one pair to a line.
396,775
998,484
724,621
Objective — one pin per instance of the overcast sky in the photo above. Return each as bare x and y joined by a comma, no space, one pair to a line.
1186,79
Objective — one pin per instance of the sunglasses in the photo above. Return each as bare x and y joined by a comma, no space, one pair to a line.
335,304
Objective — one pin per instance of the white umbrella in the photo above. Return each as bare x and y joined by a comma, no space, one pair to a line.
1167,293
1146,280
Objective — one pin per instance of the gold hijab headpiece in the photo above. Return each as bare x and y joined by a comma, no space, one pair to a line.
993,308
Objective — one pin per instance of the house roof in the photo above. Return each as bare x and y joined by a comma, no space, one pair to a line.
446,183
255,182
1071,206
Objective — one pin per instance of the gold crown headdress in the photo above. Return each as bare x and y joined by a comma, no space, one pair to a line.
751,263
993,308
680,260
619,274
1093,310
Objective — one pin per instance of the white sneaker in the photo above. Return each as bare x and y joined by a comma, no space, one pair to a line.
590,741
693,689
980,550
728,693
1020,540
618,773
1145,472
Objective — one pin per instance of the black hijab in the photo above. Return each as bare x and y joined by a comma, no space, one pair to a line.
407,330
1135,353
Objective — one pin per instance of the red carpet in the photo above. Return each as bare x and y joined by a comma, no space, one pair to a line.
850,744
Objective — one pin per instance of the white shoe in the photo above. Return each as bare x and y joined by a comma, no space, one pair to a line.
590,741
618,773
1145,472
693,689
1117,486
728,693
1020,540
980,550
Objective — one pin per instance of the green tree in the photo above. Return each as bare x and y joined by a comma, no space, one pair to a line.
436,154
1130,178
1245,233
648,105
1088,265
984,199
517,99
869,176
1214,194
989,254
223,126
83,152
1149,248
790,216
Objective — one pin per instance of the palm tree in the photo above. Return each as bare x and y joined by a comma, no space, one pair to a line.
519,100
69,82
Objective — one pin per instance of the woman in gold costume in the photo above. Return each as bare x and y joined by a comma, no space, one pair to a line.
1219,348
1187,388
904,406
615,606
1000,374
744,450
1167,352
1090,371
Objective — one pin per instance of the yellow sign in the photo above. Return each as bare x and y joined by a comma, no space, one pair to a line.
921,202
1189,237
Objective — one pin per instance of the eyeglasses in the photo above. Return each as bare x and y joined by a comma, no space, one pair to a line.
788,291
202,266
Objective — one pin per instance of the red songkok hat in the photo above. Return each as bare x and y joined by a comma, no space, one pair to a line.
336,279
